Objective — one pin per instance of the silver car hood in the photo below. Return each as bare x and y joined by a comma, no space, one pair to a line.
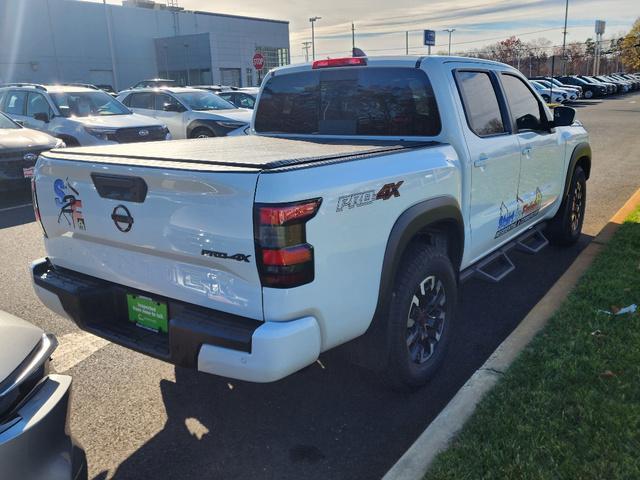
116,121
24,138
18,338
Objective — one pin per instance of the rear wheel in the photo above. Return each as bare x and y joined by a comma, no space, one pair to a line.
421,315
546,98
202,133
565,228
588,94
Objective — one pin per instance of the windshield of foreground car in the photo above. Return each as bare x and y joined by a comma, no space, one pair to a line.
86,104
204,101
6,123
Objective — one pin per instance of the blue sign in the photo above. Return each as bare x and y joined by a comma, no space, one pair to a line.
430,37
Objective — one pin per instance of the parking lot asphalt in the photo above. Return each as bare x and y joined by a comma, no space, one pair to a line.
142,418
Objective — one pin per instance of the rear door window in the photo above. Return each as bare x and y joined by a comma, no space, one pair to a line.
351,101
15,103
141,100
480,103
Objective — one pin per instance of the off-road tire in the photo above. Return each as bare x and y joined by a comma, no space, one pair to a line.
566,226
420,264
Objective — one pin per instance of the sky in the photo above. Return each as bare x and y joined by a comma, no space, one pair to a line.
380,25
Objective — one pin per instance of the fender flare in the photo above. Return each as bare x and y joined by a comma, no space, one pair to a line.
370,350
581,151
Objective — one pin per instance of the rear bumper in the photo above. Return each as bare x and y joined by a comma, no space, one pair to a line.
208,340
35,444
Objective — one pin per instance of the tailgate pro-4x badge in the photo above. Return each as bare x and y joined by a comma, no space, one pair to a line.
66,198
239,257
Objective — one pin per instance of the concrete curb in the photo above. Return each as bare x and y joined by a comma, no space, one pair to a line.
418,458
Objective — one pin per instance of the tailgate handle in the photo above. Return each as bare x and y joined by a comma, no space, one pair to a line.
120,187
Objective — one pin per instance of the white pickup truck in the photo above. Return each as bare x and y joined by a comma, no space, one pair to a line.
369,188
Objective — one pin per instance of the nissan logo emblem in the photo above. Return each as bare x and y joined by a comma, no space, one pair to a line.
143,133
30,157
122,218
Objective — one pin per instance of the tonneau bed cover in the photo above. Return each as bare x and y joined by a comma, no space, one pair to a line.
250,152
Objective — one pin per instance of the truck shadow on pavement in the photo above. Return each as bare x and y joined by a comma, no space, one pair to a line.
16,208
332,419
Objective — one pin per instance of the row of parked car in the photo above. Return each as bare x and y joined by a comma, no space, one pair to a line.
570,88
35,118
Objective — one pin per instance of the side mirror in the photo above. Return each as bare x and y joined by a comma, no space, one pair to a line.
172,107
563,116
41,116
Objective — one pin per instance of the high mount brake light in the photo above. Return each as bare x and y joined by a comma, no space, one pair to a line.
284,257
339,62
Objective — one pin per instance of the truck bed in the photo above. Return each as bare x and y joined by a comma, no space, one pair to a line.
247,153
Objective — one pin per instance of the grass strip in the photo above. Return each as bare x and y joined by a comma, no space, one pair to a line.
569,406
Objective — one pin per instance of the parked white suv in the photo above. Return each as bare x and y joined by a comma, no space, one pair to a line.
188,112
78,115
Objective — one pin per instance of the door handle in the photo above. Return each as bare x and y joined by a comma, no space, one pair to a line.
526,151
482,160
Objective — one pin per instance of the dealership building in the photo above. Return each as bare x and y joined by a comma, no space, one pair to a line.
48,41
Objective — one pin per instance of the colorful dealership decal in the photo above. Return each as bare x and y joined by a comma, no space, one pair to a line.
510,219
70,205
390,190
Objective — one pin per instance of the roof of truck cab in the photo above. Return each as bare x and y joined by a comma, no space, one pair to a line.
246,153
400,61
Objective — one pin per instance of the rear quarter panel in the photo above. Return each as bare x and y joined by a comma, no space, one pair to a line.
349,242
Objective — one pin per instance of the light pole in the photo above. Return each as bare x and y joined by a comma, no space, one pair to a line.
564,38
450,30
313,36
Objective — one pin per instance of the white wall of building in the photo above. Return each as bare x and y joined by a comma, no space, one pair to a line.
67,40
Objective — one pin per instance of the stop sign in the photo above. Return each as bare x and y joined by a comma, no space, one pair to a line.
258,61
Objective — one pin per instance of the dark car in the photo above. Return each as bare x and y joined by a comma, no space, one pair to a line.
156,83
611,88
589,90
634,80
34,407
19,150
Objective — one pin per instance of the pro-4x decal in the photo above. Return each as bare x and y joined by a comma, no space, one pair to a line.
239,257
66,198
359,199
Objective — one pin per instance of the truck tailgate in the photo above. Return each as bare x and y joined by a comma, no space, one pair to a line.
172,232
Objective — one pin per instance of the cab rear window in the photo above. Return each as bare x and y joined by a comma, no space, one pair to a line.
350,101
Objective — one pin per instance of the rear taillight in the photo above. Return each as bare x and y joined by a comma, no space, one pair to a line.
284,257
36,208
339,62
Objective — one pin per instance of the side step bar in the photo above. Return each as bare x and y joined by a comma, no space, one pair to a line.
498,264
